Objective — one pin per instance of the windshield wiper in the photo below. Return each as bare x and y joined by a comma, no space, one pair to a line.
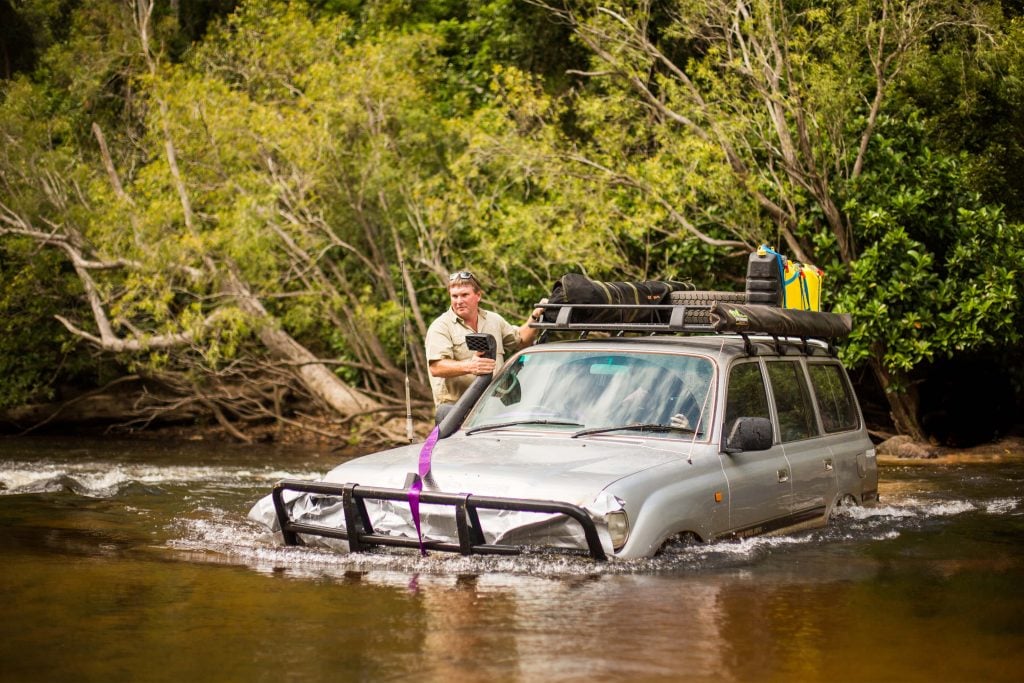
636,427
515,423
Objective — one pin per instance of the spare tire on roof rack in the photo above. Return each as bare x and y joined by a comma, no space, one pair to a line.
703,298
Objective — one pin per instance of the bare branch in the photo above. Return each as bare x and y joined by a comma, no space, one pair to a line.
648,190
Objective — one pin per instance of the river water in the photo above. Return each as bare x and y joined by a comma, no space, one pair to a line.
129,561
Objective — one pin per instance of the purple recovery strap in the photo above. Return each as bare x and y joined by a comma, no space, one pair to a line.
417,485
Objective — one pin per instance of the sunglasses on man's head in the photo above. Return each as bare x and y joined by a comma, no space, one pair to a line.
461,275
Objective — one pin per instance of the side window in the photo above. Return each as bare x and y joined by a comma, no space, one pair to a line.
792,401
835,399
747,396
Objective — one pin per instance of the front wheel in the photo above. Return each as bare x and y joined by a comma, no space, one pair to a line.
678,543
844,503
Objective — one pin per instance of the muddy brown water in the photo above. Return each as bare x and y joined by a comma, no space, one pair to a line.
127,561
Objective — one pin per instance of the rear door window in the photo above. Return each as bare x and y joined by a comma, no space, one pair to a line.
835,398
792,401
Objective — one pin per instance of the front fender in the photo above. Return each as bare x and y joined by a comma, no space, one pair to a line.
686,505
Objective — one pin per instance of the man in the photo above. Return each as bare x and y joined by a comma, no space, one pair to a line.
453,367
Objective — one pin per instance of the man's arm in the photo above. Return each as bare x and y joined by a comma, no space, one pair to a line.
440,348
528,334
449,367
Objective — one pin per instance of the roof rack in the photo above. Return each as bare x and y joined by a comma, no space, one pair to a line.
642,318
715,317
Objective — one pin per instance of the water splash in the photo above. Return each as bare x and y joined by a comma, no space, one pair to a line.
206,532
1002,506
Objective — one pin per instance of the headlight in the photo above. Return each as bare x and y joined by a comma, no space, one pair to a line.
618,528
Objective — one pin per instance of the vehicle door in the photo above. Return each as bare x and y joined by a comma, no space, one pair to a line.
840,418
811,462
759,481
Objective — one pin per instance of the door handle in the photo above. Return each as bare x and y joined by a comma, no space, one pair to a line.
783,476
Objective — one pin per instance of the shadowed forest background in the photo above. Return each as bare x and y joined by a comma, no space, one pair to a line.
243,214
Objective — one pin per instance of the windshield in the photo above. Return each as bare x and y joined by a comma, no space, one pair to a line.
598,392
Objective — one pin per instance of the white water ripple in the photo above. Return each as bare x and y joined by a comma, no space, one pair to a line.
1002,506
103,479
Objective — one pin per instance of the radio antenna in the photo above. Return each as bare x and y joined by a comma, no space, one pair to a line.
405,351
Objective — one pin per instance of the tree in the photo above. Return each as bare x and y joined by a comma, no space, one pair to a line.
781,104
263,207
939,272
193,250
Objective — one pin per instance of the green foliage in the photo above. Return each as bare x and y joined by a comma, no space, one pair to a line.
941,273
30,339
475,35
27,29
971,92
541,204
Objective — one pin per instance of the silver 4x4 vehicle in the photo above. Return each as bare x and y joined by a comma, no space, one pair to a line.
690,422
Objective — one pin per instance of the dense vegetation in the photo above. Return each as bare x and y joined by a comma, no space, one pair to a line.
246,210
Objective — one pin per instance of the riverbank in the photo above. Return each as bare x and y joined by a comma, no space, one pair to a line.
308,433
326,438
901,450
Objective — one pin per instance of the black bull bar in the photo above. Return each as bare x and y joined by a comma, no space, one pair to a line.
360,534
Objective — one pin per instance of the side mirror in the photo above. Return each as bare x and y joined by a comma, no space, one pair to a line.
749,434
508,390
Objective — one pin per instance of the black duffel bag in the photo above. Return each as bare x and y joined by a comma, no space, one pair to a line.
575,288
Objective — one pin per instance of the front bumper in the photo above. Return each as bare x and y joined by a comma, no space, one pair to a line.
313,509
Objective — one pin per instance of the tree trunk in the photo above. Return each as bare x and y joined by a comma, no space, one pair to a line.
903,405
316,376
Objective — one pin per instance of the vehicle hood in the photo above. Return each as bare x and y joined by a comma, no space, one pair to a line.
547,468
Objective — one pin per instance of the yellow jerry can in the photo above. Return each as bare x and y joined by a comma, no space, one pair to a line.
802,286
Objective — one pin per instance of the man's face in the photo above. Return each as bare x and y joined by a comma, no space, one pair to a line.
465,300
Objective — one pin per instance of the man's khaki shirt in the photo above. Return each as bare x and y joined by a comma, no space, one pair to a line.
446,339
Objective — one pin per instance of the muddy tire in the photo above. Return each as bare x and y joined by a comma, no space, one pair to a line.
679,543
844,503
